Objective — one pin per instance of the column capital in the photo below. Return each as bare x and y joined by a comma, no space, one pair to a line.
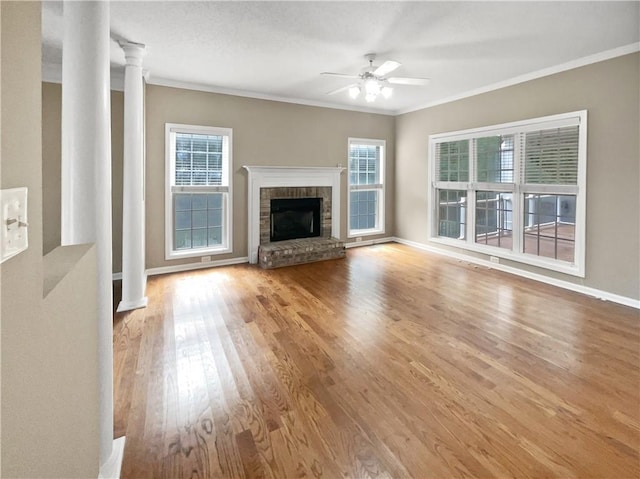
133,52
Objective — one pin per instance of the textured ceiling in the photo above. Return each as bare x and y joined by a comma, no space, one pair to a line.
278,49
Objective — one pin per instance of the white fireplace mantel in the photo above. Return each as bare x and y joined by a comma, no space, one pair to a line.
283,176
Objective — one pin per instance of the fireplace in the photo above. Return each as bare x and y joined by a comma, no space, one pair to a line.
280,182
294,218
293,204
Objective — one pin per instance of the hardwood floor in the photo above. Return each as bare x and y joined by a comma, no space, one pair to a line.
391,363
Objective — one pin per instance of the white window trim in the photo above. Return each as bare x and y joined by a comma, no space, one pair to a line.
380,186
578,118
227,170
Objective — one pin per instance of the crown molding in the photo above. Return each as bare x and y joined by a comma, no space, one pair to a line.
53,73
580,62
166,82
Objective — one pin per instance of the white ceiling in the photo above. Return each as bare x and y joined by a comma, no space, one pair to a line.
278,49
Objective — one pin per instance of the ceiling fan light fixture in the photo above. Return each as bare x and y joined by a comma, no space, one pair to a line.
372,87
373,81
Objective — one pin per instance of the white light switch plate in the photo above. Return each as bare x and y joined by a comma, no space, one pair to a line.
14,224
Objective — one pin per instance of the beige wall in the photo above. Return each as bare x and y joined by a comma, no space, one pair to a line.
610,92
264,133
276,133
51,157
49,346
51,170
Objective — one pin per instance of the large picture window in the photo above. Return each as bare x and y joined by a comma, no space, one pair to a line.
198,206
366,187
515,190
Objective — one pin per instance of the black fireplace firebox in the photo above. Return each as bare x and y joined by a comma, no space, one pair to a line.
294,218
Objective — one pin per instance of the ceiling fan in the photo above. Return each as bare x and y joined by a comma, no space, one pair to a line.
373,80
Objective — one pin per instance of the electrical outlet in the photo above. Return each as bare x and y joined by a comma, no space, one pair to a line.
205,259
494,259
358,239
14,236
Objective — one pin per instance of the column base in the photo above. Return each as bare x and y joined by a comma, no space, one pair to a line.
111,469
130,305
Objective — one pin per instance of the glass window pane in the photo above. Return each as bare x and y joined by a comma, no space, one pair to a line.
215,217
364,164
183,239
452,207
183,160
453,161
549,226
494,219
199,219
183,220
199,143
183,142
199,202
199,159
215,200
183,178
199,177
199,238
182,202
495,159
364,208
215,143
215,236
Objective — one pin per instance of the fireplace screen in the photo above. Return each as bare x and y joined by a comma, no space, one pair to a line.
293,218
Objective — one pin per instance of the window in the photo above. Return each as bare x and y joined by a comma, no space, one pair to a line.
366,187
515,190
198,202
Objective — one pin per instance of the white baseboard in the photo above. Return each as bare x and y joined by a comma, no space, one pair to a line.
578,288
189,267
111,469
193,266
356,244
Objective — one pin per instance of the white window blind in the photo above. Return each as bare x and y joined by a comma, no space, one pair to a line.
551,156
199,159
452,161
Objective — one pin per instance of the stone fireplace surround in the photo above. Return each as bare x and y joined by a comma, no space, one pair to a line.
301,180
267,194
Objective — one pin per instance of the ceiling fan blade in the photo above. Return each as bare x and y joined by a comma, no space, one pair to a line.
386,67
342,75
408,81
341,89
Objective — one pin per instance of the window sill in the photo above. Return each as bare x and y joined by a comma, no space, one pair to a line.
369,232
537,261
194,253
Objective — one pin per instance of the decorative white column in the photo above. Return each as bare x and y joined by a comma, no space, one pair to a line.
133,251
86,173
